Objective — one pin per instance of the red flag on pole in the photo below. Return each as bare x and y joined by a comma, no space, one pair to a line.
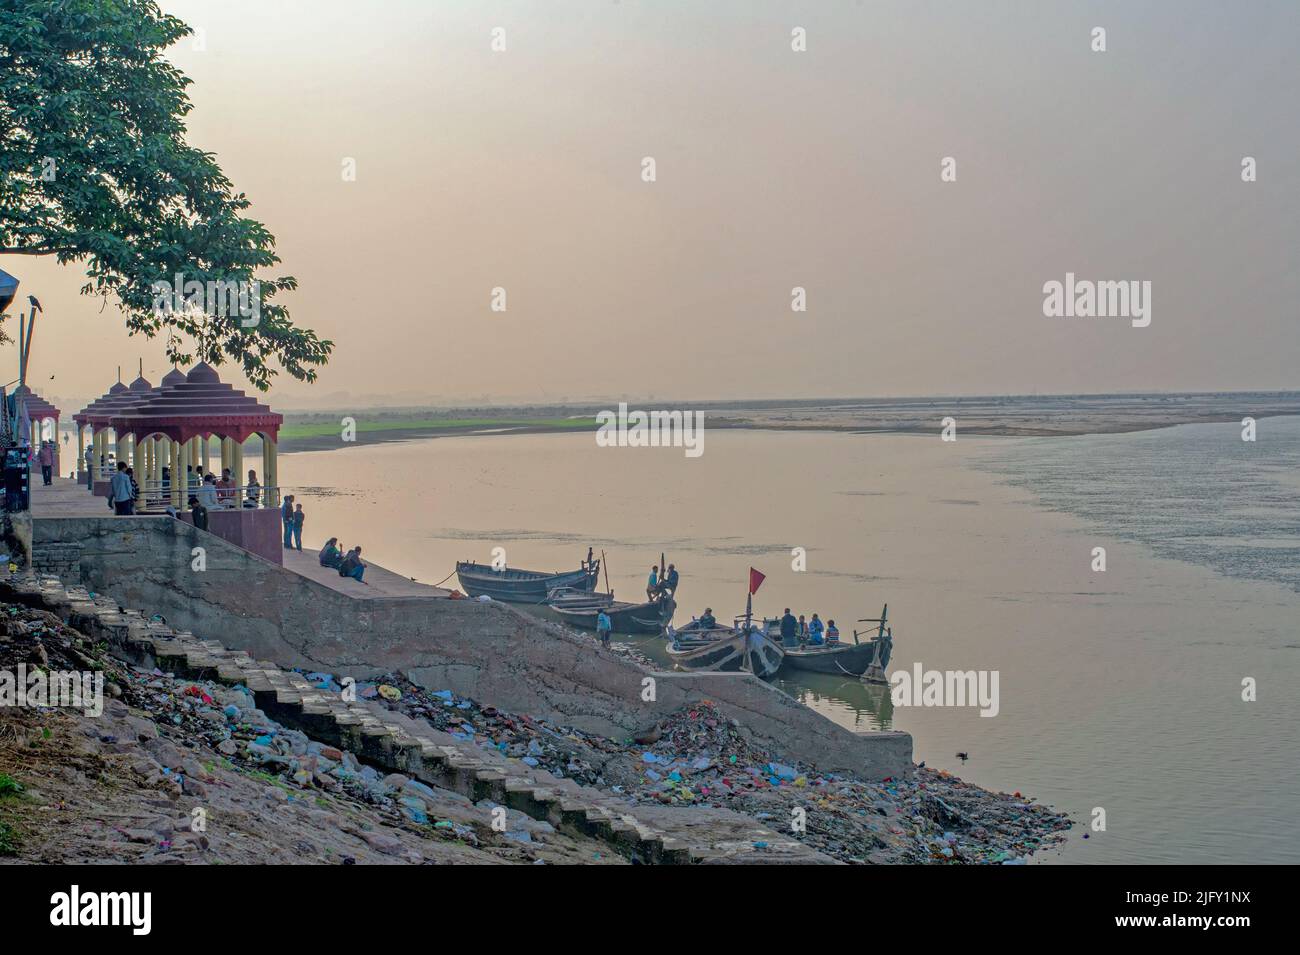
755,580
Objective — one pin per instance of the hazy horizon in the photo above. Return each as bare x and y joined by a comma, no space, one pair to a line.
775,169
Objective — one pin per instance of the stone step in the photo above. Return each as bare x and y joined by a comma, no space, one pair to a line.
292,700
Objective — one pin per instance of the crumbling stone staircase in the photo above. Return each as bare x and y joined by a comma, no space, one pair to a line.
427,755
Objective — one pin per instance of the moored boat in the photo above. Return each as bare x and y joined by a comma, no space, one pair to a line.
852,659
570,598
523,586
649,617
867,654
726,650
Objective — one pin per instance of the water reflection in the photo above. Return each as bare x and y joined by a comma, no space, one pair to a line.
855,705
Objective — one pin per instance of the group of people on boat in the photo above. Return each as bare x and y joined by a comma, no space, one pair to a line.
660,586
347,564
803,632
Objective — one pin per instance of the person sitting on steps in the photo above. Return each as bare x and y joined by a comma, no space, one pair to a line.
330,555
351,565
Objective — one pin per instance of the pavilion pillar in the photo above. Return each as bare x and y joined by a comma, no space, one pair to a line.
266,469
81,450
203,452
142,466
271,472
187,463
237,461
225,453
178,476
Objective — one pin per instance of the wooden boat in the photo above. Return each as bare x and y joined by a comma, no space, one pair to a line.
649,617
852,659
722,649
571,598
523,586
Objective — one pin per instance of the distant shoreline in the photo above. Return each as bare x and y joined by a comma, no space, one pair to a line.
1014,425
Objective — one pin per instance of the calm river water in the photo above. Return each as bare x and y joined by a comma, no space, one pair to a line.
1119,690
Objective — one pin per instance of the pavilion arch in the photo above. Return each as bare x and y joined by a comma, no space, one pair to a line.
36,411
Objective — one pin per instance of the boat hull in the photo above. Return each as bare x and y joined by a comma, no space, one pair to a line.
851,659
521,586
725,653
624,618
566,598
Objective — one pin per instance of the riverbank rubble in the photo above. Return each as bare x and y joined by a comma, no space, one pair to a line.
697,757
183,771
178,770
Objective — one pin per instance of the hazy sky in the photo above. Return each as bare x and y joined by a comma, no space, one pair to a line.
775,169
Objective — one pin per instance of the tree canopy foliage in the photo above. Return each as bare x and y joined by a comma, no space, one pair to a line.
94,169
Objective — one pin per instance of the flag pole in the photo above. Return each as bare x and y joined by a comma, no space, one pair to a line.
749,612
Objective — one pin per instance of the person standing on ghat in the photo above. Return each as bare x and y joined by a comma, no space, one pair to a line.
119,491
46,457
286,515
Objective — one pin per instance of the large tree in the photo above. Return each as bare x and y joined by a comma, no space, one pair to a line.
94,169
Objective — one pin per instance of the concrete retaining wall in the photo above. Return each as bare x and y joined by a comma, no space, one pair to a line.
490,652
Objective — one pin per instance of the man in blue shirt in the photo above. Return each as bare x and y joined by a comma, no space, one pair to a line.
286,515
120,492
603,626
669,584
815,628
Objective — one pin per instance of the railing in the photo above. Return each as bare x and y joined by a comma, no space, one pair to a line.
155,496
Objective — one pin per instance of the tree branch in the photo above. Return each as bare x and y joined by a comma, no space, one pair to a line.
35,250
